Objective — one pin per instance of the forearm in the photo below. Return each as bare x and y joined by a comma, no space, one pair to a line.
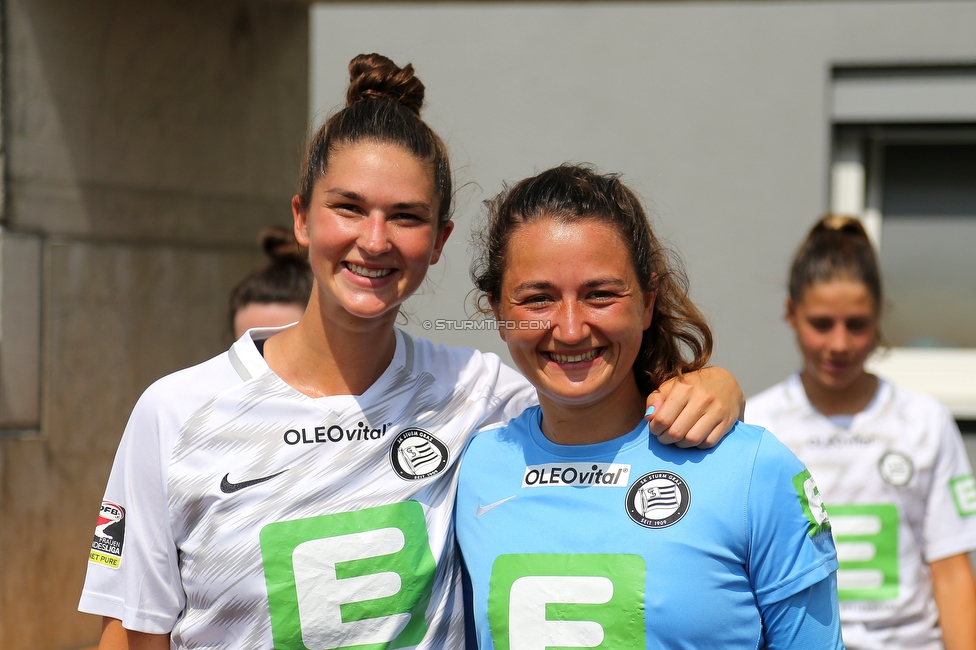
954,589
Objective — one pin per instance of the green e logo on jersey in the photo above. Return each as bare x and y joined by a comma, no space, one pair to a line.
353,579
867,551
811,502
964,494
539,601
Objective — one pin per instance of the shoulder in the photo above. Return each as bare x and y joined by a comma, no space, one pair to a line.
912,404
513,433
463,367
185,391
754,447
432,357
785,399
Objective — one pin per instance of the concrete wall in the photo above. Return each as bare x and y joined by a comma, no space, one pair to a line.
147,143
716,111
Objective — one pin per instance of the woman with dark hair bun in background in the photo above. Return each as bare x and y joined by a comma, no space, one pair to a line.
890,463
276,293
297,491
577,527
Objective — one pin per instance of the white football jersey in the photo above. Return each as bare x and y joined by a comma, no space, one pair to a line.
241,513
900,493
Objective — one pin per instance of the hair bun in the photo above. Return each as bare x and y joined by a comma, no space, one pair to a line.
373,76
279,244
840,223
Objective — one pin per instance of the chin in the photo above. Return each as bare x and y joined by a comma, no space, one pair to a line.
371,311
835,382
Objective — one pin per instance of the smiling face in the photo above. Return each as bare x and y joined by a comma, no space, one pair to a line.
579,309
371,229
836,326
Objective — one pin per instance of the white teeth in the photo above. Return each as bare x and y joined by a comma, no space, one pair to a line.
573,358
367,273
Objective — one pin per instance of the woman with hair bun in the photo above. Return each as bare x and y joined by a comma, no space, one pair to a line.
275,293
890,463
297,491
578,529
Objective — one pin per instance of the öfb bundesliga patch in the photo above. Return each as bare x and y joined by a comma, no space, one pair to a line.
109,534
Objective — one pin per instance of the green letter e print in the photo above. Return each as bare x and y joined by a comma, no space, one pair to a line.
558,601
811,502
354,579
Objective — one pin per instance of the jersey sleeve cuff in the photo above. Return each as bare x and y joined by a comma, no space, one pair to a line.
949,548
134,620
816,573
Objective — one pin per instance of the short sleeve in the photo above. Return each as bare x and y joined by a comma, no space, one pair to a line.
808,619
133,572
950,513
791,547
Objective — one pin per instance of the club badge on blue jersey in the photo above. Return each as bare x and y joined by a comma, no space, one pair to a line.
658,499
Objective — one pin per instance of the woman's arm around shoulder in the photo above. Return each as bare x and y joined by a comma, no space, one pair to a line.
696,409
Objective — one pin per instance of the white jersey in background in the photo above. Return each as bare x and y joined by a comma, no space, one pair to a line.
241,513
900,493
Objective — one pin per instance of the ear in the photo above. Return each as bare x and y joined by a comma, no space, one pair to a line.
440,240
502,332
648,315
791,313
301,220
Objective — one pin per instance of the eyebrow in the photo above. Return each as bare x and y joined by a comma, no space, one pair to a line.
356,196
542,285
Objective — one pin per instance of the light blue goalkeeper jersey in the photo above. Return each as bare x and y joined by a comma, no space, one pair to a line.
633,544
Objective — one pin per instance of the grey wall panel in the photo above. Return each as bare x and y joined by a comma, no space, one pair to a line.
718,113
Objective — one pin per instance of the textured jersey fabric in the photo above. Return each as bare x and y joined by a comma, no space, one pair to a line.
244,514
639,544
900,493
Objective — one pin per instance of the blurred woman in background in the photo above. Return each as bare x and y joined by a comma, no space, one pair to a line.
275,293
890,463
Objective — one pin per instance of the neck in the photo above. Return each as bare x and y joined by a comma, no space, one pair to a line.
615,416
840,401
331,354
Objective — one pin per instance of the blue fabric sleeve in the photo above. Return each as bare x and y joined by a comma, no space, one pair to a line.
788,552
809,619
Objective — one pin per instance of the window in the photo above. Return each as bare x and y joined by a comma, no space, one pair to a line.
904,160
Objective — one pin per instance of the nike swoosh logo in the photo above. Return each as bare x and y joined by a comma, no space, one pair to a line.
229,488
491,506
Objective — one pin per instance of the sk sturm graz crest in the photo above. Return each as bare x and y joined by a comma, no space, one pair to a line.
416,454
658,499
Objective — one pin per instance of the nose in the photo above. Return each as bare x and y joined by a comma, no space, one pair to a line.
374,237
571,325
840,339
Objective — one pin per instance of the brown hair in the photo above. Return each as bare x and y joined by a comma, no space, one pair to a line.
285,278
383,104
837,247
573,193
